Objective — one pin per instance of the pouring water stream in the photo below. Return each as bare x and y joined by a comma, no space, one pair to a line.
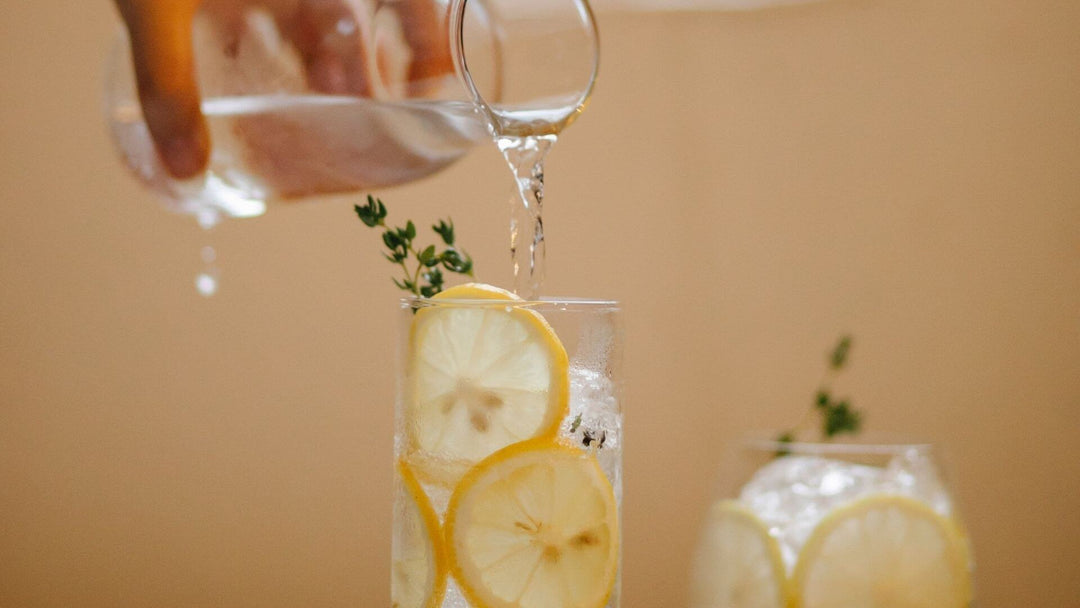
525,132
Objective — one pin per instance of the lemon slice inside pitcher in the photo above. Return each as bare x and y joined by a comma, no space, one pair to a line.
534,526
483,373
883,551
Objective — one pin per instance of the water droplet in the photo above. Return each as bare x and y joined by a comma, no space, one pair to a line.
206,284
208,217
208,254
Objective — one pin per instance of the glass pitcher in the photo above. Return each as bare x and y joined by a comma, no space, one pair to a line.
305,98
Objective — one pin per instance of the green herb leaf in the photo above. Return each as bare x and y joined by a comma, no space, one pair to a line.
822,399
390,239
450,258
453,261
784,438
424,278
841,419
445,230
427,256
373,213
840,353
837,417
435,278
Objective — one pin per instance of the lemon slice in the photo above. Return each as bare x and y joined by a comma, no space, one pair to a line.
481,377
883,551
419,564
738,563
534,526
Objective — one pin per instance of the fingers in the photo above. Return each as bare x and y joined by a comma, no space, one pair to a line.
429,40
330,36
161,49
384,50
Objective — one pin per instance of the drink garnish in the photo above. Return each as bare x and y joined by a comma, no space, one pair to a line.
534,524
739,564
838,416
426,279
891,550
481,376
419,567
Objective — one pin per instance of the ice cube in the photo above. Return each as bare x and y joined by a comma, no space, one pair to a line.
453,598
793,493
438,496
913,473
595,420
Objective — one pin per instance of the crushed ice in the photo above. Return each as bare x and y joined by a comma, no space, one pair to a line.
793,493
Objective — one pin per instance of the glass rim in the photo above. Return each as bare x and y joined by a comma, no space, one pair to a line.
558,303
870,443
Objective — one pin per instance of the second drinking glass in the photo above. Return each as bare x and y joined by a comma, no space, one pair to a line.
826,524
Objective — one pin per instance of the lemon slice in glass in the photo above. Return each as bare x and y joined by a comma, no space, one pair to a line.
534,526
419,564
480,377
883,551
738,563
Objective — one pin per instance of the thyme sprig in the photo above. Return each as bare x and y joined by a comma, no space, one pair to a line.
422,268
838,416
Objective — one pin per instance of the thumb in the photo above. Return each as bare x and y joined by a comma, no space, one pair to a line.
161,49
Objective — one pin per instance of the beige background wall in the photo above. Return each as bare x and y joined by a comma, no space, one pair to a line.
749,184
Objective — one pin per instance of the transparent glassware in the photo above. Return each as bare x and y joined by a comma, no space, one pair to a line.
548,64
508,480
848,523
305,98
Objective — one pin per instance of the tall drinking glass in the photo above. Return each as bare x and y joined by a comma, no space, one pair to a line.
817,525
508,446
